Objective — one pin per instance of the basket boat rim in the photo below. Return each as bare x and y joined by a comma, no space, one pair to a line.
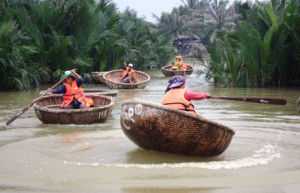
70,111
179,112
90,91
121,83
169,66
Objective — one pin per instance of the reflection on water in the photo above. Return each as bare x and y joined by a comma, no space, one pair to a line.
262,157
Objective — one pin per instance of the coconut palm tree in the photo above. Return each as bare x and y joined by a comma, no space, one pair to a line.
263,43
221,18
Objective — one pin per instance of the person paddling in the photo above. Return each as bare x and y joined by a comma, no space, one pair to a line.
73,97
178,97
129,75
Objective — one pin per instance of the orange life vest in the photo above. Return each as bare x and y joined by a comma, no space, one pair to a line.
77,92
129,74
174,98
178,63
183,66
175,63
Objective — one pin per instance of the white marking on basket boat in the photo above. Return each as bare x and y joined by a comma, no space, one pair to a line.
129,112
138,109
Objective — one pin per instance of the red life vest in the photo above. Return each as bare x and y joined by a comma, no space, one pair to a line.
174,98
77,92
129,74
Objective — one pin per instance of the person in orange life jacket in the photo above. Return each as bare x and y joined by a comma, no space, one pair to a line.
183,66
178,63
73,97
178,97
129,75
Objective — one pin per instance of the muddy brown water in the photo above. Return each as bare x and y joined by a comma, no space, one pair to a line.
263,156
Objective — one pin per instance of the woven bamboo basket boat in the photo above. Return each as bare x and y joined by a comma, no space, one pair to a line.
93,91
48,110
167,71
156,127
112,80
97,77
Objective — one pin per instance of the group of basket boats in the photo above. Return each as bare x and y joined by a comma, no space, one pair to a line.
149,125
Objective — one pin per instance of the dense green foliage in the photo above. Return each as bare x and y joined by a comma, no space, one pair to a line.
263,50
249,44
41,39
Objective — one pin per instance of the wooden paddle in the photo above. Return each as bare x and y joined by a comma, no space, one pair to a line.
254,100
30,105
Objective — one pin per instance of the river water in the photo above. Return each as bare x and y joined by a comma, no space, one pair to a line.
263,156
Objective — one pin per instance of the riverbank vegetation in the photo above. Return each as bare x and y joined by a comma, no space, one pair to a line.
263,50
250,44
41,39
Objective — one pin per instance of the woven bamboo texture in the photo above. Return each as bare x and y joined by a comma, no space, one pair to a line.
48,110
155,127
112,80
98,77
167,71
93,91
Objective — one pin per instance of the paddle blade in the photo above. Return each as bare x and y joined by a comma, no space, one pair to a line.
255,100
268,101
19,114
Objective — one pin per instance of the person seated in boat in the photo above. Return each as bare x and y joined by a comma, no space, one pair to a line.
178,97
178,63
129,75
73,97
183,66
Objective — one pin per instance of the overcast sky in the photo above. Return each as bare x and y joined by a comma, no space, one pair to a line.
145,8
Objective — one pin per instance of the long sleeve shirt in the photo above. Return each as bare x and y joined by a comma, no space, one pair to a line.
189,95
63,90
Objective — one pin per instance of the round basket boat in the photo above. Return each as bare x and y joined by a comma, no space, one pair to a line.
167,71
112,80
97,77
48,110
156,127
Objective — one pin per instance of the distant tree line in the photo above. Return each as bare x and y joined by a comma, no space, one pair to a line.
250,44
41,39
200,19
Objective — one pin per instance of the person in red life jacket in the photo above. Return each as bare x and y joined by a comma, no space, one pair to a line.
129,75
73,97
178,97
